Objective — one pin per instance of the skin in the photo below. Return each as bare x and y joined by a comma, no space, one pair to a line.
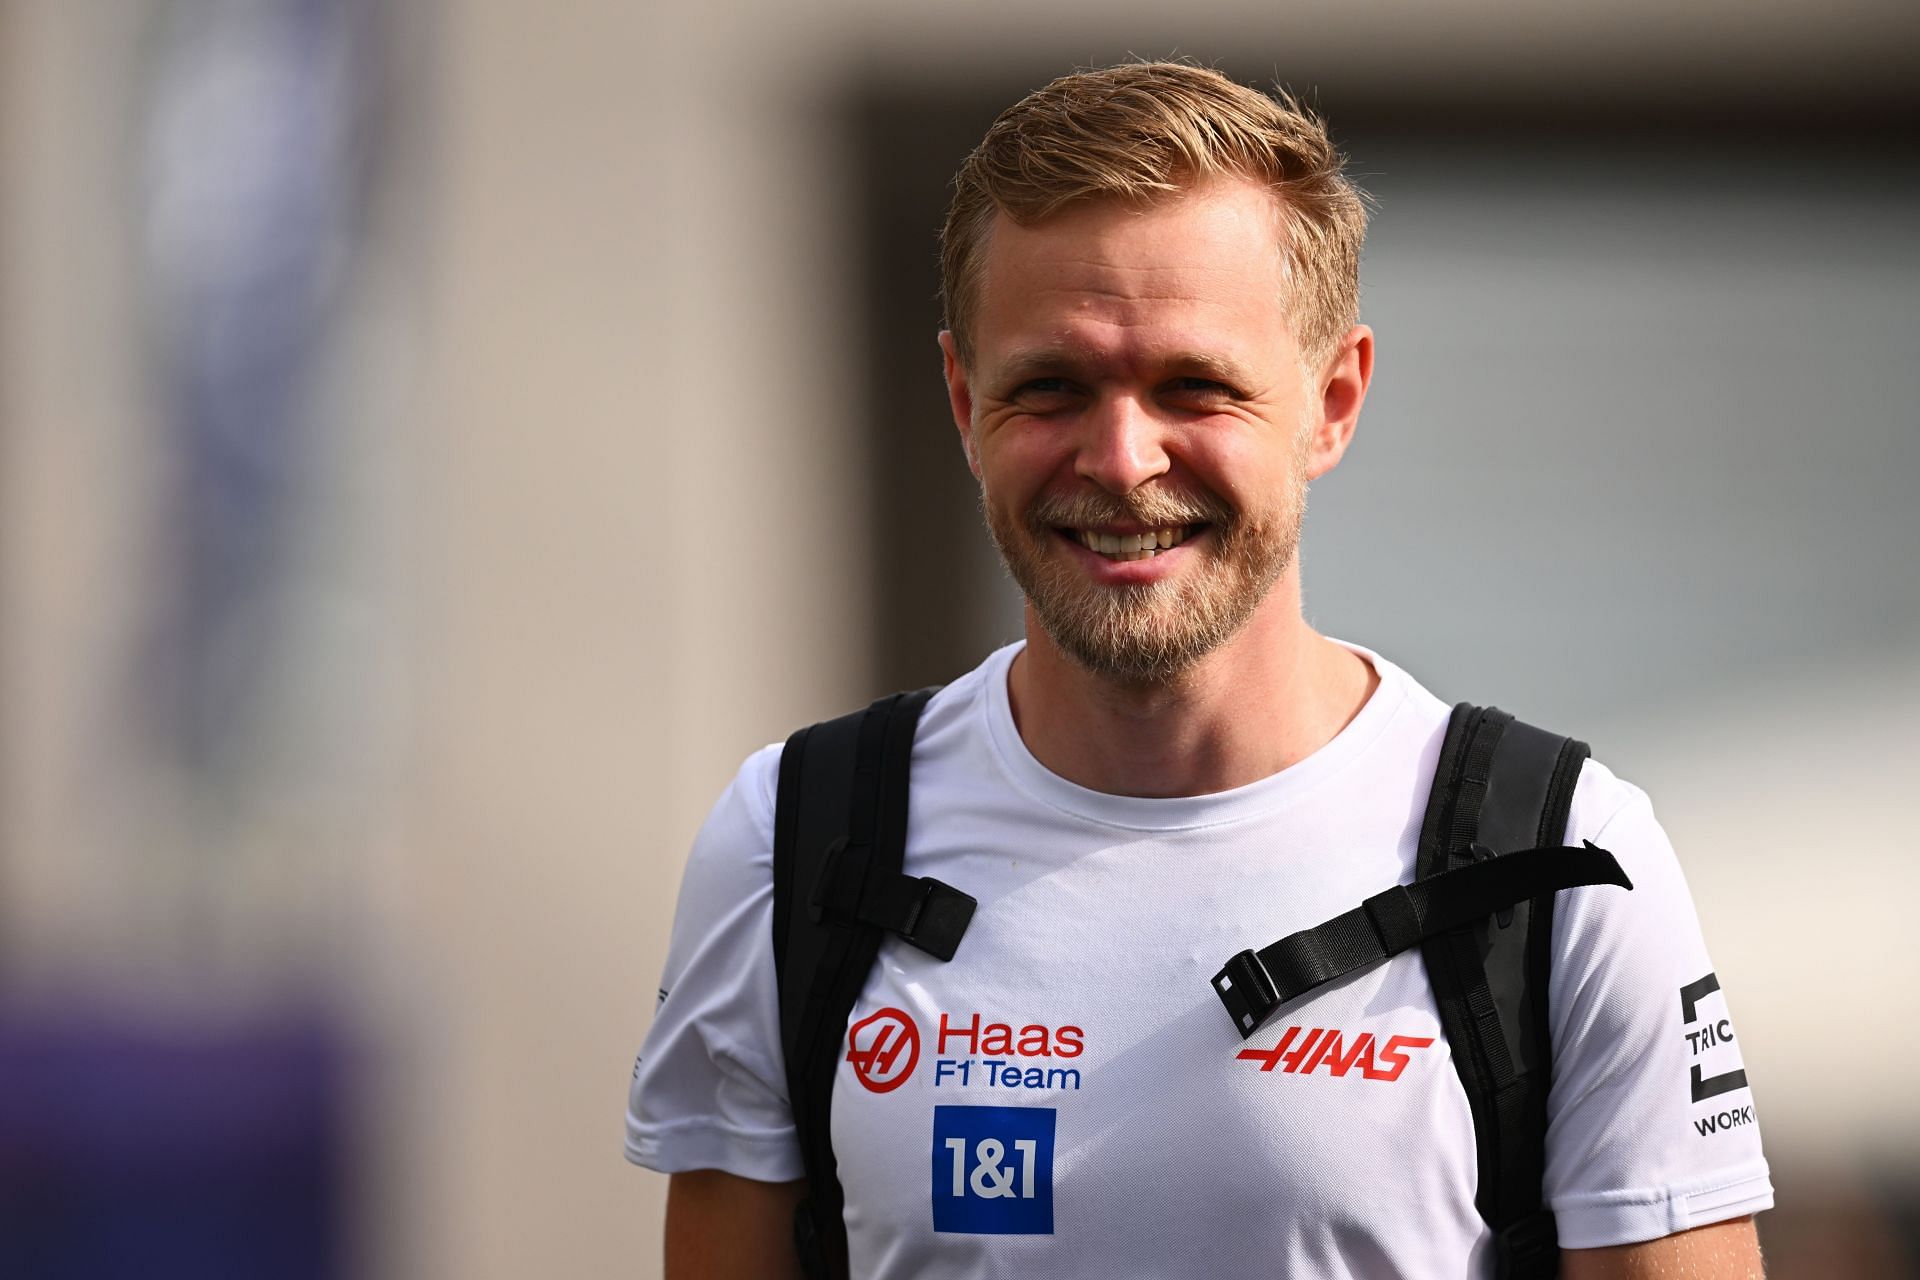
1723,1251
722,1227
1172,364
1120,351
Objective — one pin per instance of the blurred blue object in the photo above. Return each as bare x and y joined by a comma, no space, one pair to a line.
156,1150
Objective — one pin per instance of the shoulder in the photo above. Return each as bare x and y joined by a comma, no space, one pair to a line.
1654,923
732,857
1635,1142
1603,800
1618,816
1622,956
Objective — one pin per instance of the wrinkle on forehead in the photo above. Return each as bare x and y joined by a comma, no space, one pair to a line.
1170,295
1224,206
1107,254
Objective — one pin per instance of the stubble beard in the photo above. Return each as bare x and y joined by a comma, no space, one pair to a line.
1150,633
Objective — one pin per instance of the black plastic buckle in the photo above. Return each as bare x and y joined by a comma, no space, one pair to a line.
939,920
925,912
1528,1248
1247,989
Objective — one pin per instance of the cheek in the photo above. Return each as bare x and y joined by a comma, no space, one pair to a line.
1018,464
1226,466
1257,465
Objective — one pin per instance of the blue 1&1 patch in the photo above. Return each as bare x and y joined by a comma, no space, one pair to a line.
993,1170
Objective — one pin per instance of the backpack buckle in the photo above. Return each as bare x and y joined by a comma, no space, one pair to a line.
1526,1248
1246,989
940,917
926,913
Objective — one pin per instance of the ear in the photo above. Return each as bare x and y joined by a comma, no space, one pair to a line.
1343,389
959,398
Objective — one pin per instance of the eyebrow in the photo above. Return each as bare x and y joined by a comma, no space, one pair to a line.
1024,364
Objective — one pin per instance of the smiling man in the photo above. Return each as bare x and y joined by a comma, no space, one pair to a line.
1151,276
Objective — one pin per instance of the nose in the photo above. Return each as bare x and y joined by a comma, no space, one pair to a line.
1121,445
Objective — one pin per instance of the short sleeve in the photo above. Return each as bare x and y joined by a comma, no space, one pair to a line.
709,1091
1652,1128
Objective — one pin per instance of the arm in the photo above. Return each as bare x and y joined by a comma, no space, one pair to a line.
707,1104
1722,1251
1638,1144
722,1227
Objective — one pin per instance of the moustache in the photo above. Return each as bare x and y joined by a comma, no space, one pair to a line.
1154,508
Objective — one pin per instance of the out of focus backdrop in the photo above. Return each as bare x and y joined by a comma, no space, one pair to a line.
438,442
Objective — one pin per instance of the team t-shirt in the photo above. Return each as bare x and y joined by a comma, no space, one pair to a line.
1067,1097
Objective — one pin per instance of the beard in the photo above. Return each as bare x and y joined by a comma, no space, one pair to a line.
1143,634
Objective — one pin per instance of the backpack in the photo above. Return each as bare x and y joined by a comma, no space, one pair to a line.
1480,909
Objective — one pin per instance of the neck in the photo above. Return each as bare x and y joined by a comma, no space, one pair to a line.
1270,697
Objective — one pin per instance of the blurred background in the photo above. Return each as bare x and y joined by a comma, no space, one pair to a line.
439,441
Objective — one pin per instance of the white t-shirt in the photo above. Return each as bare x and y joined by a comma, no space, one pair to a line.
1067,1097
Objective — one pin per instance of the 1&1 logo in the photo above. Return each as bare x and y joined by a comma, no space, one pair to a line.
993,1170
884,1048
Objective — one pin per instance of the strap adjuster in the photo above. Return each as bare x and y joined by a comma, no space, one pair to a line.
937,921
927,913
1247,989
1397,919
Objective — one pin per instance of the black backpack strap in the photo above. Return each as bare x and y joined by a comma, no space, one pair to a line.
839,842
1480,909
1256,983
1502,786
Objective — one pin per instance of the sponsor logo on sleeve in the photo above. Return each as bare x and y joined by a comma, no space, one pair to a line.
1715,1067
1305,1050
993,1170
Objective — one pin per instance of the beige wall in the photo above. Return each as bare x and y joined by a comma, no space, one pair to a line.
610,543
643,512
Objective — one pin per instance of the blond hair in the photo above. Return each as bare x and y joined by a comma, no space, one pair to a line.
1140,132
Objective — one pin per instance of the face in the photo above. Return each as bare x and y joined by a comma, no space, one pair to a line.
1143,424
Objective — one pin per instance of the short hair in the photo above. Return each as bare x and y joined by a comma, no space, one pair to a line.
1139,132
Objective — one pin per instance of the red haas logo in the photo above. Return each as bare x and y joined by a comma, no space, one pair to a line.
884,1048
1324,1048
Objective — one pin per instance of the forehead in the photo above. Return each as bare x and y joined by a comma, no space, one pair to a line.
1203,269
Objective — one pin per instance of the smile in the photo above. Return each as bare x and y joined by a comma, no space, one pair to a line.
1130,546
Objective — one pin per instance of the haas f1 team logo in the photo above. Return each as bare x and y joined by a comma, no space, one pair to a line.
884,1048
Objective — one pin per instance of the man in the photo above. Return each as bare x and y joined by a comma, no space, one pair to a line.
1151,287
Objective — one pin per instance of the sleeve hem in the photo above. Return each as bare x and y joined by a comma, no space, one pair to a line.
763,1157
1630,1217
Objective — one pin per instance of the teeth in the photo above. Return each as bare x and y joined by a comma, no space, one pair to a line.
1131,546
